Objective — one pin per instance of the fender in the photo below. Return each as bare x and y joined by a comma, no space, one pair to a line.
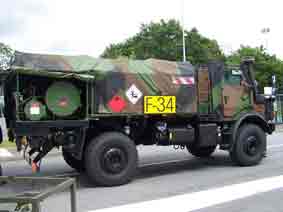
252,117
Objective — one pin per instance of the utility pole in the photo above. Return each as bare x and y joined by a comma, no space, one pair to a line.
183,29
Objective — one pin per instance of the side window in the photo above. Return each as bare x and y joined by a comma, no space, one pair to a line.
233,77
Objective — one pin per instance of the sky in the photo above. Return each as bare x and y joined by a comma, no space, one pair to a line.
88,26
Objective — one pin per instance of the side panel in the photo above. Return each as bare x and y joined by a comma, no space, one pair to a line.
210,82
203,90
216,72
122,90
235,99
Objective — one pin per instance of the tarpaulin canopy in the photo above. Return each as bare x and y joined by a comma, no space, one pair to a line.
121,78
86,66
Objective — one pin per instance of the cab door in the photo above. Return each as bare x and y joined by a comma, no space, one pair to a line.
235,94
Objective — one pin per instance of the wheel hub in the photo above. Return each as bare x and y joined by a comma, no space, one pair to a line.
251,146
114,160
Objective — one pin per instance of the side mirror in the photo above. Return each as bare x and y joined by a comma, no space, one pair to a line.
269,94
268,91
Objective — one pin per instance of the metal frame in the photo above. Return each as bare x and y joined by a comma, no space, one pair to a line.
61,184
278,119
56,123
88,83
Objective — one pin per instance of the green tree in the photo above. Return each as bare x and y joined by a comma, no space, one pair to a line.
163,40
265,64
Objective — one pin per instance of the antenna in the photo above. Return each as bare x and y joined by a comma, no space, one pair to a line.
183,29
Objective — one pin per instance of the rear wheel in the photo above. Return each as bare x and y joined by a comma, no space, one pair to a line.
250,145
74,163
200,151
111,159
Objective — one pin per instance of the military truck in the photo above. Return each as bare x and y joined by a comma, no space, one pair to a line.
99,110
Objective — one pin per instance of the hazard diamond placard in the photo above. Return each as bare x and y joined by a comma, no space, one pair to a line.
117,104
134,94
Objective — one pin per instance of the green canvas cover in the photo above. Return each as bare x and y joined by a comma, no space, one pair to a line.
89,67
120,82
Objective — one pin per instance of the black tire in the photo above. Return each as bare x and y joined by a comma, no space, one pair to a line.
201,152
1,136
250,146
111,159
74,163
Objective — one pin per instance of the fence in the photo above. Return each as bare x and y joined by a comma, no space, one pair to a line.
28,192
278,108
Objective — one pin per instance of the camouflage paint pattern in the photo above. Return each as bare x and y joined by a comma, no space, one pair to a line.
235,99
216,70
238,97
151,78
112,78
210,84
203,90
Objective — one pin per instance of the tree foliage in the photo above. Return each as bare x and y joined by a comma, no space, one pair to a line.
163,40
265,66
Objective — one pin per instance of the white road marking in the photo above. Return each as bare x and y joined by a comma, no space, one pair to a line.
4,153
274,146
203,199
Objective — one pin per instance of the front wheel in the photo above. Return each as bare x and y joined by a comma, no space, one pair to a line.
111,159
250,146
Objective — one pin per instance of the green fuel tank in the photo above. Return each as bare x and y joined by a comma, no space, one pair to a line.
63,99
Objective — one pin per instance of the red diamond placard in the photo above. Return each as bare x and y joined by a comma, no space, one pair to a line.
117,104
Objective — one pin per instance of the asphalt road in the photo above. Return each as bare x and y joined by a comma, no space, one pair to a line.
165,172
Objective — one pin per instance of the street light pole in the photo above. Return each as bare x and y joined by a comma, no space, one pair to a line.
265,32
183,29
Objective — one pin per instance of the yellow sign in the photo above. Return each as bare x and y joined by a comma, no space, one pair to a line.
159,104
